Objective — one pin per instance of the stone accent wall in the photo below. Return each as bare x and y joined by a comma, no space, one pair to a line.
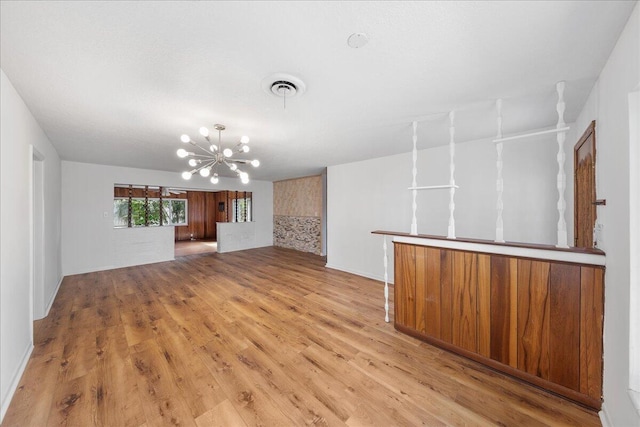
302,233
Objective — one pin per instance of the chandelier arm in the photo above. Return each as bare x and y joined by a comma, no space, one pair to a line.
206,165
202,155
203,149
243,161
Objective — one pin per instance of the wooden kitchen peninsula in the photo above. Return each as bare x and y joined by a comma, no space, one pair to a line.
531,311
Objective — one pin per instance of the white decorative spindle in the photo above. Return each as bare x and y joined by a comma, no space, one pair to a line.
499,181
451,231
562,179
414,205
386,281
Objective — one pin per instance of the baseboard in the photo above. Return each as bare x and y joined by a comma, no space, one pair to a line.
53,297
6,400
604,417
357,273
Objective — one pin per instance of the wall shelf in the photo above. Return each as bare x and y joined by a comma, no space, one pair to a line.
434,187
527,135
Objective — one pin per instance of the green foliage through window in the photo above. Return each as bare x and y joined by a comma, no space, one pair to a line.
174,212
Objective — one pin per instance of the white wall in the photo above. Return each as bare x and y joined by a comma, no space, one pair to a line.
373,195
87,194
235,236
608,105
20,134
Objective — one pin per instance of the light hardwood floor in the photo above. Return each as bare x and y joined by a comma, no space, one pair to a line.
193,247
261,337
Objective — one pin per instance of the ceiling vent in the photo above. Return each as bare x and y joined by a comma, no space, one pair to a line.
283,85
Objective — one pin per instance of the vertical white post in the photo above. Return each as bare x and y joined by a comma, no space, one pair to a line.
451,231
386,281
562,178
499,180
414,205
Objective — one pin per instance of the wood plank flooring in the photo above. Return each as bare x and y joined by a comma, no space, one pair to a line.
193,247
261,337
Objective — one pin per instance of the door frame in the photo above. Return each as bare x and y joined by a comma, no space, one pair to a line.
591,129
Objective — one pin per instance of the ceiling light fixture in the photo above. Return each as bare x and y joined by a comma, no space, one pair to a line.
205,164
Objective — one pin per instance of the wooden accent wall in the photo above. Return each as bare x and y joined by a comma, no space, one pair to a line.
298,197
538,320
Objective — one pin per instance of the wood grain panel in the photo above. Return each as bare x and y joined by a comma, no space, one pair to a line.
501,300
484,305
591,318
221,209
465,282
564,336
533,317
404,286
197,215
513,321
210,215
433,301
421,288
446,294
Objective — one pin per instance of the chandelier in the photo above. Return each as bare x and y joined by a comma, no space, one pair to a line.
205,164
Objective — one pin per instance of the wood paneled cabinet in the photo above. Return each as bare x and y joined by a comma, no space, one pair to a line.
538,320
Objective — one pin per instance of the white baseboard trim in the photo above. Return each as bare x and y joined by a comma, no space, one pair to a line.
53,297
6,399
604,417
357,273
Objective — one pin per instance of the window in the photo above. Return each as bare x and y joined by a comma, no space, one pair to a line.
241,210
174,212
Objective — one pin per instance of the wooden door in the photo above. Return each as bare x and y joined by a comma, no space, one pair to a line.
584,164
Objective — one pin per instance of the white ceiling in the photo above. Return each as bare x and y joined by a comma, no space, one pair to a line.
118,82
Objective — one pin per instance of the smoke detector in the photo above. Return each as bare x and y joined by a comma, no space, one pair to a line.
357,40
283,85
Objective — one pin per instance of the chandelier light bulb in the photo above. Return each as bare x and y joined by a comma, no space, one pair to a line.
255,163
213,148
182,153
193,162
186,175
244,177
233,166
204,172
245,148
204,131
185,138
214,178
227,152
244,139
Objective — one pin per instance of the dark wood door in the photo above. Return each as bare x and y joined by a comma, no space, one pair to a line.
584,164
